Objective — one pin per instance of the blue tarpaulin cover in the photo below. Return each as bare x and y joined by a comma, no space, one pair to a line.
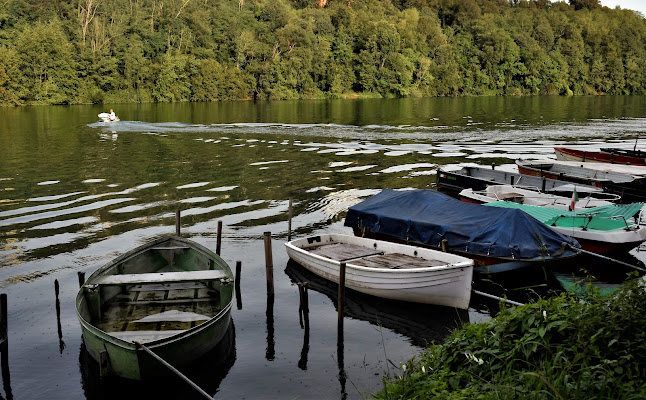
428,216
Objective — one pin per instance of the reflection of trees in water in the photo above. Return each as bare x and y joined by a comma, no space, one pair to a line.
207,372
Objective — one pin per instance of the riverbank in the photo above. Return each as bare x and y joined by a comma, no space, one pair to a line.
563,348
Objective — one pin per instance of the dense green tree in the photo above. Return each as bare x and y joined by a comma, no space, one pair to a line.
57,52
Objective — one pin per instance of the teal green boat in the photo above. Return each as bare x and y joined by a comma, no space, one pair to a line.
171,295
603,230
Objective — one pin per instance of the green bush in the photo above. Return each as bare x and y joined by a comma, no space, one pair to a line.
565,347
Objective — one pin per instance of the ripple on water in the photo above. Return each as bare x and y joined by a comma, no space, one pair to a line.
192,185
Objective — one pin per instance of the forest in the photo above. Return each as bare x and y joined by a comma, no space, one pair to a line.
117,51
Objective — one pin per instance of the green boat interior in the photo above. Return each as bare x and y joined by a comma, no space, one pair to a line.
156,293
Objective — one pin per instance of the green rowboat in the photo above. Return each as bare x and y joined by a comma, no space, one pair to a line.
172,295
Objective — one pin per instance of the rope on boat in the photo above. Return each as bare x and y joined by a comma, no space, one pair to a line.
610,259
491,296
174,370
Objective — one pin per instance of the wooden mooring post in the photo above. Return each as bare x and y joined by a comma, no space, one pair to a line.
269,264
289,221
81,276
61,343
218,245
4,347
237,285
4,333
177,222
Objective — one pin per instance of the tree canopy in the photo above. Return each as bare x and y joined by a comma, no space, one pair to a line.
97,51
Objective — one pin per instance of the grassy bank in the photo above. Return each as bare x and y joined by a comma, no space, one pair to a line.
559,348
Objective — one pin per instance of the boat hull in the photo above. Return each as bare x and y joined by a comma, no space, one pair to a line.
630,188
123,359
480,178
565,154
500,263
116,351
607,242
448,285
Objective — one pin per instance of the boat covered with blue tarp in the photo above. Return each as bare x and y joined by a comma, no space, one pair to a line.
487,234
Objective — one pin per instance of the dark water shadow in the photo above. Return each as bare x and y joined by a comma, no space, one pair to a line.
602,269
422,324
207,372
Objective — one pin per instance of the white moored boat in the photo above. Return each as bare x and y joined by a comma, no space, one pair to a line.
528,197
389,270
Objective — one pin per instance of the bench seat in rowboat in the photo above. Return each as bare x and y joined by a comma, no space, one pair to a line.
126,279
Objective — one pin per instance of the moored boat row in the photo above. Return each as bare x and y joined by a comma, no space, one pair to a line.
173,297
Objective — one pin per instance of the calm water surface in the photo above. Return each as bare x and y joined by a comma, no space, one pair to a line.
74,193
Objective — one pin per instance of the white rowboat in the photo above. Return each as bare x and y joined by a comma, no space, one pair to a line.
530,197
388,270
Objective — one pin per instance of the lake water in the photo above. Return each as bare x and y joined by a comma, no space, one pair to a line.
75,193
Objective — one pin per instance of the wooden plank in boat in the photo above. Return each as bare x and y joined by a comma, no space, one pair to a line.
124,279
343,251
397,261
168,286
144,336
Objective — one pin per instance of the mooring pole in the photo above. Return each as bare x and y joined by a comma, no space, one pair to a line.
219,240
237,284
174,370
4,347
81,276
4,326
177,222
269,264
289,221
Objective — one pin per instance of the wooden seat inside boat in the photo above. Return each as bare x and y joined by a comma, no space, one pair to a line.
182,276
148,312
343,251
373,258
396,261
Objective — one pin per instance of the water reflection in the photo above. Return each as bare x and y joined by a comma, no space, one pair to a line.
422,324
304,319
207,372
61,343
270,350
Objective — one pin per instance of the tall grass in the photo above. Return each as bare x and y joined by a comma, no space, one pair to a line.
566,347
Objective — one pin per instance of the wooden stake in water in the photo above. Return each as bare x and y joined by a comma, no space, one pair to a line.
237,284
81,276
289,221
218,245
4,333
177,223
269,264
